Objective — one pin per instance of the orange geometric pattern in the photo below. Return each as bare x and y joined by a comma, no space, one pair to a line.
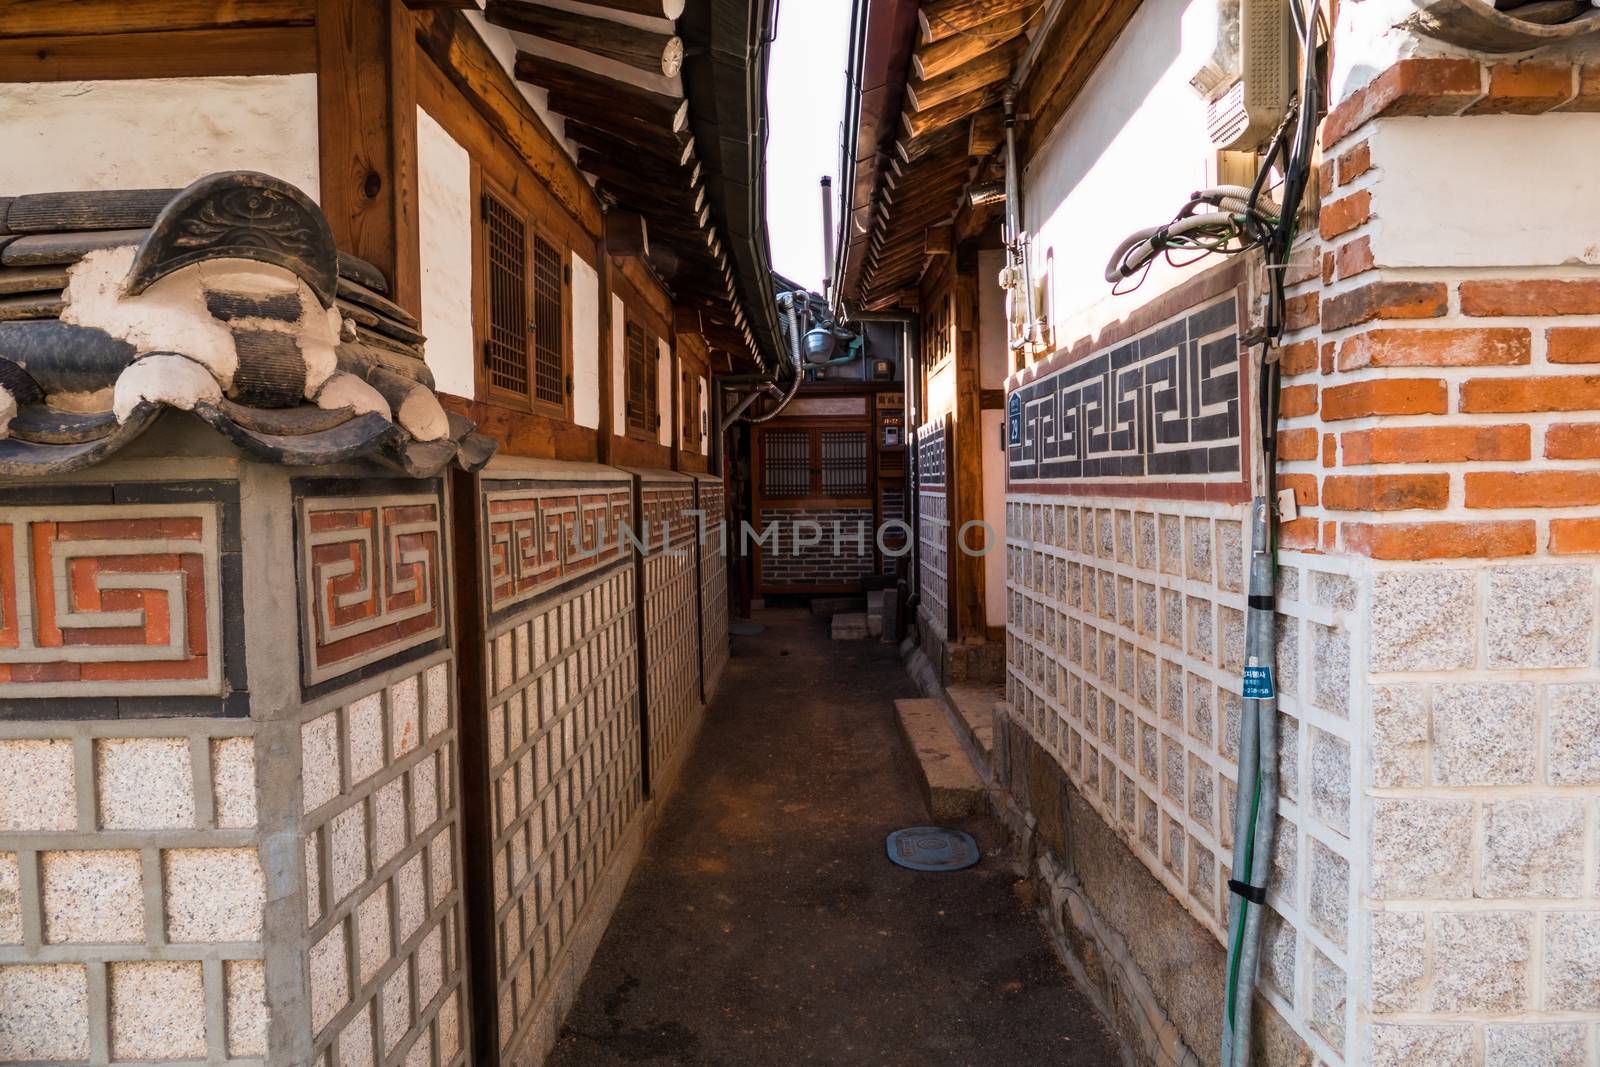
536,539
372,575
110,601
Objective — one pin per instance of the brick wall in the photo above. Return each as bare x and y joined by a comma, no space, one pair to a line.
824,564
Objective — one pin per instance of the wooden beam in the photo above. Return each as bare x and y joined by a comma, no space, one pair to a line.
442,5
666,9
994,65
646,50
932,60
23,18
366,124
600,101
1072,50
921,123
940,19
936,240
668,148
160,54
986,132
627,234
966,455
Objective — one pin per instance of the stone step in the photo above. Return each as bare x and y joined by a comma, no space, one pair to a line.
950,786
850,626
974,705
824,607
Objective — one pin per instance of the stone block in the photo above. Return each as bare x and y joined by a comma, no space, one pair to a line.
1421,847
313,866
247,1007
1533,848
213,894
1539,616
1534,1045
1286,584
1329,906
1202,793
1423,620
1480,961
347,848
1420,1045
233,781
425,793
1571,961
1330,669
92,896
437,686
144,783
1484,733
330,977
44,1012
429,962
1400,730
10,900
1330,780
355,1041
1230,639
1574,734
1278,943
1202,631
388,821
1199,536
1328,993
450,1026
1171,545
373,947
1333,591
405,714
1172,619
363,721
1230,556
1202,719
441,866
158,1010
319,760
396,1007
36,786
1287,663
1285,858
411,896
1399,961
1288,756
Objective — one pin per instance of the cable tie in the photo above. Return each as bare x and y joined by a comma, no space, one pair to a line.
1262,603
1253,893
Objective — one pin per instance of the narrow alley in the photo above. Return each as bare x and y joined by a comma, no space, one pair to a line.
765,924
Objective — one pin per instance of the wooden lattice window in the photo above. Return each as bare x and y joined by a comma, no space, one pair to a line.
690,387
505,352
643,413
549,340
844,463
786,463
525,349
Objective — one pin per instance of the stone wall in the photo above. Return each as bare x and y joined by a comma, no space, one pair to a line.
933,530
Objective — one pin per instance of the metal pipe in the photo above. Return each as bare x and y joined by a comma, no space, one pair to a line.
1021,262
733,416
827,236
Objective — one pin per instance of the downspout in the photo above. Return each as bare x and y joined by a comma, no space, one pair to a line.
1024,314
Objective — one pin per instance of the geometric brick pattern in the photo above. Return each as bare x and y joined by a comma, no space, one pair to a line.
711,501
104,601
1164,404
540,538
384,919
933,534
1125,645
565,780
834,553
372,579
147,944
671,622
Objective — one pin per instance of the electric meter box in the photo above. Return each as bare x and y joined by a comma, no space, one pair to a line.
1246,75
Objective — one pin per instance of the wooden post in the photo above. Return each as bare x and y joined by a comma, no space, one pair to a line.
966,571
367,128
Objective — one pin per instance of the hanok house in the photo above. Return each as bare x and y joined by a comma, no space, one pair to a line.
339,342
1427,892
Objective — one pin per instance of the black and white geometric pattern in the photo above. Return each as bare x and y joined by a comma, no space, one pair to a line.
1163,404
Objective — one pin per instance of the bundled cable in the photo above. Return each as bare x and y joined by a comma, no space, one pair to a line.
1236,214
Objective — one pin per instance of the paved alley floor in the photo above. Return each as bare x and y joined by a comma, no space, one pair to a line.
765,924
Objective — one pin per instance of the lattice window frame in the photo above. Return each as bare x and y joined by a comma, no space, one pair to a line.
642,355
534,372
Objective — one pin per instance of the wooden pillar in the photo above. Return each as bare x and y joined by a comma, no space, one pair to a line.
367,128
966,577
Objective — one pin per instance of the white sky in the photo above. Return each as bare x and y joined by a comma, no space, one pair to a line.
805,105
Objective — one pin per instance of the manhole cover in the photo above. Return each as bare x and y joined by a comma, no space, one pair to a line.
932,848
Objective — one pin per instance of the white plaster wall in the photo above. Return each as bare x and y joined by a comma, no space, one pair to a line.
158,132
664,404
444,179
585,343
992,327
1125,156
1482,193
619,367
505,46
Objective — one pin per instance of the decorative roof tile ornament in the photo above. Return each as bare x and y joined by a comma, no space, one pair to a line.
228,299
